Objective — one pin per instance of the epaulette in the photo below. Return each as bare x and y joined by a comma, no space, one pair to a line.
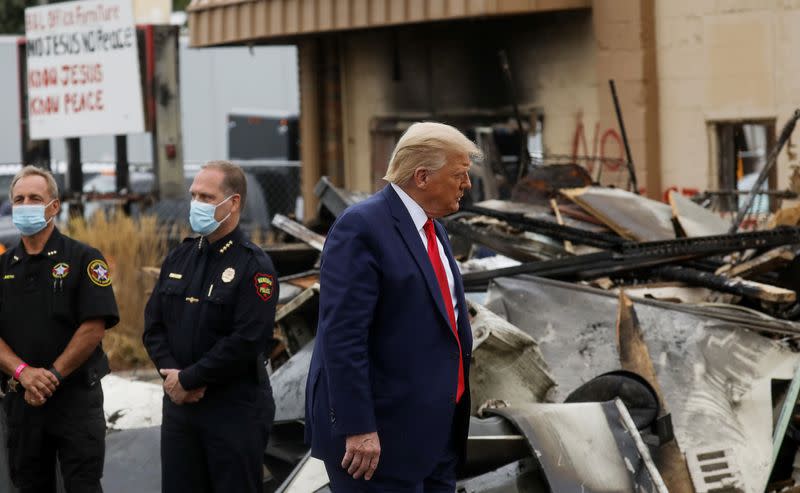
249,245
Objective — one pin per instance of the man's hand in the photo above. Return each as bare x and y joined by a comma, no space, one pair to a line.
361,455
33,401
176,392
39,382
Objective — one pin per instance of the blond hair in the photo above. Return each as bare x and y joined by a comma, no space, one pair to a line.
426,145
29,170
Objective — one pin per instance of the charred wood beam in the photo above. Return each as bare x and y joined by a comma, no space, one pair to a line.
551,229
714,245
516,247
739,287
634,256
632,183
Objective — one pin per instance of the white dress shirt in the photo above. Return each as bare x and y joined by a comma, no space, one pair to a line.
419,218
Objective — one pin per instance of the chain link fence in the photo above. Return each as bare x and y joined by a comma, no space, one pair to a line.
273,188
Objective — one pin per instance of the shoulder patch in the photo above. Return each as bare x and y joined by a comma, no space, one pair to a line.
264,285
98,273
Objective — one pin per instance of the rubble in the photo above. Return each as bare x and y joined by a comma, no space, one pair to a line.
619,343
693,219
676,354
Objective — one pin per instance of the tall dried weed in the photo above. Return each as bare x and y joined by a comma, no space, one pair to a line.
129,245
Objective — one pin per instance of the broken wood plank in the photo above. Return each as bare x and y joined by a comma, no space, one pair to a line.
694,219
298,231
296,302
630,215
304,282
670,291
567,244
771,260
576,212
635,357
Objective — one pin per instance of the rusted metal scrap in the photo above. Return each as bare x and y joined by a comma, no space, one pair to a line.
543,182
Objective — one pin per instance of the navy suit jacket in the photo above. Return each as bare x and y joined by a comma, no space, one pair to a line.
385,357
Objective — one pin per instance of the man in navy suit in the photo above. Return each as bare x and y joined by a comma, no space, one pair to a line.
387,397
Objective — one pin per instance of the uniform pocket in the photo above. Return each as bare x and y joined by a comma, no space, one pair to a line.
171,292
218,313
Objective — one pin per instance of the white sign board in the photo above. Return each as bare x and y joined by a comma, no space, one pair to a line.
83,70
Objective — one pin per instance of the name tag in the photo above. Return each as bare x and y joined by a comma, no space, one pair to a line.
8,276
173,275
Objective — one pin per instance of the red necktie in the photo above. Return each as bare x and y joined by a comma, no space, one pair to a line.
444,287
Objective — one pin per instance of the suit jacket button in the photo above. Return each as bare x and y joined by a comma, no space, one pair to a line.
333,417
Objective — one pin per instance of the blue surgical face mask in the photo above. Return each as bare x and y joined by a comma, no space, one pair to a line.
29,219
201,217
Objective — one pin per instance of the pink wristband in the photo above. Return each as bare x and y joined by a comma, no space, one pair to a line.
19,369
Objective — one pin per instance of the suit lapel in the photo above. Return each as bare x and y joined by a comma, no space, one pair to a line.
411,238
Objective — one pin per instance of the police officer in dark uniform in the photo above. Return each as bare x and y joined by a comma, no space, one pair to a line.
56,304
207,325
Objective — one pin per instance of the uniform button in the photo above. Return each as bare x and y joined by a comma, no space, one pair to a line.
333,417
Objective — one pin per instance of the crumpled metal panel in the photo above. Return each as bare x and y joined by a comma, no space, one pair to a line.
506,362
715,376
507,365
289,386
522,476
590,447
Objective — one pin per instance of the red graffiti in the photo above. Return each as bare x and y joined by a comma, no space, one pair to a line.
607,148
686,192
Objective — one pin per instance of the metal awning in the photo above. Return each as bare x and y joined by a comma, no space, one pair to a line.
220,22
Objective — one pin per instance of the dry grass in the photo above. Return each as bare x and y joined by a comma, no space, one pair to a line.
128,245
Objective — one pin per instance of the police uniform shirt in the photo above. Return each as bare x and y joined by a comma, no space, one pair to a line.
47,296
212,310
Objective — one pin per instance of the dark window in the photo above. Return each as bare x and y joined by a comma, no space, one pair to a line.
742,154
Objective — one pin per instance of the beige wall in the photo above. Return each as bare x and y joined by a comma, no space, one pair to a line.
626,54
679,65
453,69
729,60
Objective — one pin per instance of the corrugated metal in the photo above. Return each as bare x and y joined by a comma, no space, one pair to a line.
215,22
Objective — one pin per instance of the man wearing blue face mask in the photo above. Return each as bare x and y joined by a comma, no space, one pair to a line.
55,305
207,325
